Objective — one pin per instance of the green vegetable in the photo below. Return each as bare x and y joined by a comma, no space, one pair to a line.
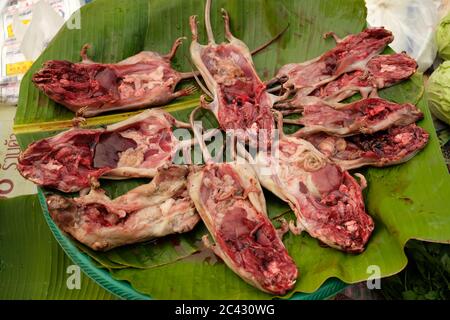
426,277
439,92
443,38
444,136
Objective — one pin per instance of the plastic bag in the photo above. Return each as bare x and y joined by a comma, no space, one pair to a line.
413,23
35,36
23,37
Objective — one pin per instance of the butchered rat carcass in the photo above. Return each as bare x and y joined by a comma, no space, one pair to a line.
384,148
350,54
326,199
88,88
365,116
153,210
381,72
75,159
240,100
231,203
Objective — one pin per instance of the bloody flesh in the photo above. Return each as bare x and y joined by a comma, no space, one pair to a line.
327,201
350,54
73,160
89,88
393,146
381,72
231,203
240,101
64,162
149,211
364,116
245,238
244,103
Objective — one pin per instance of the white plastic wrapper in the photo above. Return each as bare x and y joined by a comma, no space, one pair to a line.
413,23
35,36
23,37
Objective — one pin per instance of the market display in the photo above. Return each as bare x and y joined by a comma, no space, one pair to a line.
307,169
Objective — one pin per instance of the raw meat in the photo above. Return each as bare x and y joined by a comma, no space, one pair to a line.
75,159
240,100
350,54
364,116
393,146
159,208
327,200
231,203
89,88
382,71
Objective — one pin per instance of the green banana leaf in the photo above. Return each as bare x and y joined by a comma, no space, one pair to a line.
32,264
407,201
145,255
